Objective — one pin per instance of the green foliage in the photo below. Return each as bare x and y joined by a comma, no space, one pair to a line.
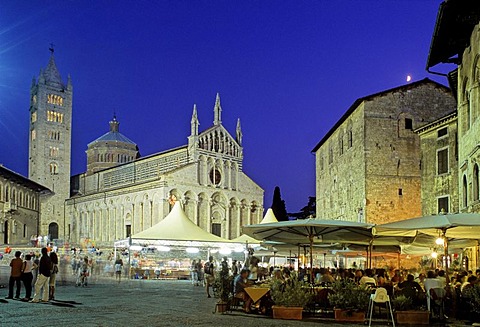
349,296
402,303
291,293
223,284
473,296
278,206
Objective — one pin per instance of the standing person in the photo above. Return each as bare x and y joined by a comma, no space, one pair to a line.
53,275
118,268
15,276
209,270
194,272
27,277
44,269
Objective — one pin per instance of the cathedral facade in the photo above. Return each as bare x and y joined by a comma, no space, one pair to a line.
120,194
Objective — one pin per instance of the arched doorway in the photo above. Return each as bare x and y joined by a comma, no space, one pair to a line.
53,231
5,232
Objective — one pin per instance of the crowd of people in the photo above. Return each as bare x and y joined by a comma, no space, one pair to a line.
36,272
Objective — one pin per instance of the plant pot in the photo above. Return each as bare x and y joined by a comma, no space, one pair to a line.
290,313
413,317
221,307
349,315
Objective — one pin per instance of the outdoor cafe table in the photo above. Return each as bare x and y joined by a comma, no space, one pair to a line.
256,293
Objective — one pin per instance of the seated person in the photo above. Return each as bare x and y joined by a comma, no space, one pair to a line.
239,284
368,279
411,289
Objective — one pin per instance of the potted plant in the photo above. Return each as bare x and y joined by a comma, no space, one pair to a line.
223,288
350,301
472,297
290,297
407,313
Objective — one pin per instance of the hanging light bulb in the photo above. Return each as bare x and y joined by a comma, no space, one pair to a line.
439,241
434,255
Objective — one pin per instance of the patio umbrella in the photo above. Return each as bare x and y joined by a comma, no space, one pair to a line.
310,231
450,227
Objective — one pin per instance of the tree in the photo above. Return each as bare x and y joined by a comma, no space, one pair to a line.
278,206
309,211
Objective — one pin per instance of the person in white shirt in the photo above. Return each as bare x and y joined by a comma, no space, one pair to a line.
431,282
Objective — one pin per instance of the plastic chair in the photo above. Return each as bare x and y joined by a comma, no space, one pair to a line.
380,296
437,301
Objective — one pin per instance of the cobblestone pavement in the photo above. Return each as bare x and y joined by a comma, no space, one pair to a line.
132,303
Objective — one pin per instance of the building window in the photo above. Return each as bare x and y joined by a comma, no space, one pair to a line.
24,230
340,144
33,134
128,230
54,99
400,191
34,116
321,162
350,138
217,229
53,168
443,205
475,183
442,132
53,135
408,123
465,191
330,155
54,116
53,151
442,161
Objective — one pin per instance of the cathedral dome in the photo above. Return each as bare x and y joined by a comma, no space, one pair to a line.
110,150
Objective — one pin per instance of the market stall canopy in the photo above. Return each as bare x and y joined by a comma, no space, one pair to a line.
321,231
245,239
455,226
269,217
177,227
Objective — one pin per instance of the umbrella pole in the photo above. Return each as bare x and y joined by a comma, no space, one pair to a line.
311,258
298,259
445,248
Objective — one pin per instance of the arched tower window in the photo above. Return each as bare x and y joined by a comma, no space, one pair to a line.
475,183
465,191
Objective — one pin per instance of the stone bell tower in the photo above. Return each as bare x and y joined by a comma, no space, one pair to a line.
50,146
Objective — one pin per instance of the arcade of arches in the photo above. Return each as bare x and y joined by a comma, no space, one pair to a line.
117,217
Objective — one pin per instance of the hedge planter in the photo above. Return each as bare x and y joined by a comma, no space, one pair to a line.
413,317
349,316
290,313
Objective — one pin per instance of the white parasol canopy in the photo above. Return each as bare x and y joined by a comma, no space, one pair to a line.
177,227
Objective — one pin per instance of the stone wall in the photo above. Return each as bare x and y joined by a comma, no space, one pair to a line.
469,125
378,179
435,184
340,171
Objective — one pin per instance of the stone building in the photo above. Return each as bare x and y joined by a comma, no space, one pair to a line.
20,200
457,40
206,175
439,165
368,164
50,145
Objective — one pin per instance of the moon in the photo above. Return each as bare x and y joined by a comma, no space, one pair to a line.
409,78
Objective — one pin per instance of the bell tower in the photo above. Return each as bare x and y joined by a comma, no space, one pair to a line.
50,145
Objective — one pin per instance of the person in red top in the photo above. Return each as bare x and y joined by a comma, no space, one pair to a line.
15,276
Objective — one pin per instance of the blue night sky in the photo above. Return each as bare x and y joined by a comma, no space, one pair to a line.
288,69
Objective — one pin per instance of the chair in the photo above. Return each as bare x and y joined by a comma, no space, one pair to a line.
235,303
380,296
436,297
